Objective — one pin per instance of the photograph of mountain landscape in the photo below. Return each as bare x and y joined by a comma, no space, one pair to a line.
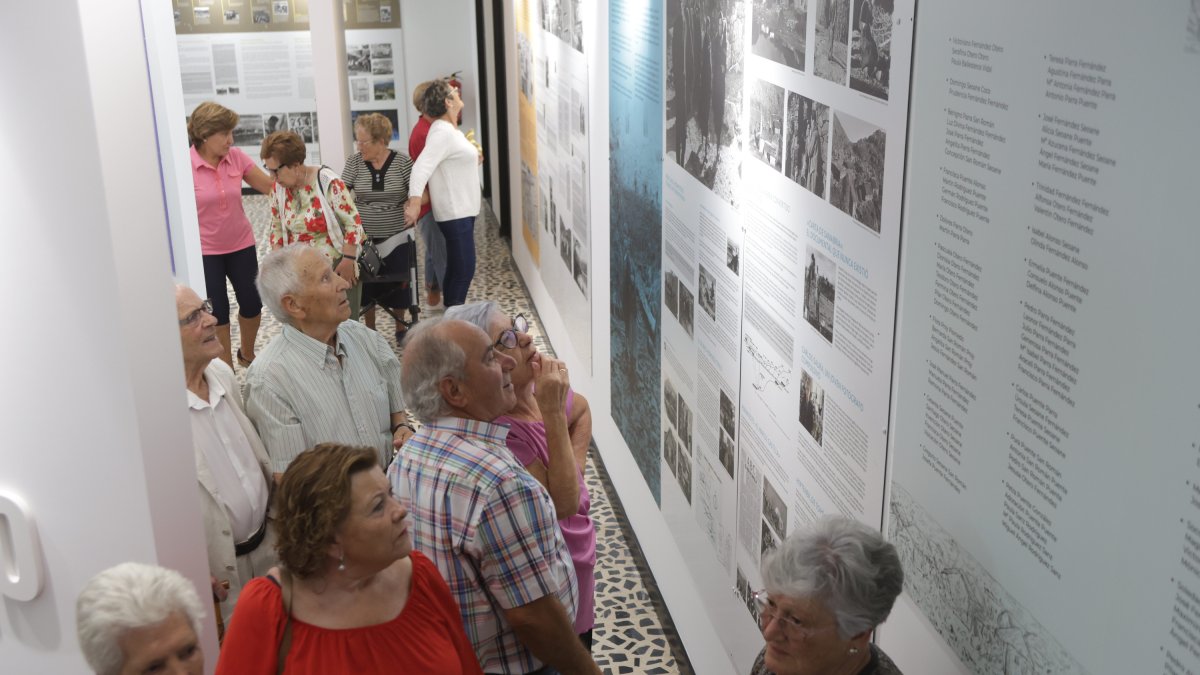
856,170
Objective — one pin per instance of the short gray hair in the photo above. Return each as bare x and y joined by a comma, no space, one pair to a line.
429,355
128,596
842,563
278,276
478,313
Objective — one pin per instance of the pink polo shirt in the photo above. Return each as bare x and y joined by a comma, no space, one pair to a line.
224,227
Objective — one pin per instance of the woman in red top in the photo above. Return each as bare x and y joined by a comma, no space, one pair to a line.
355,597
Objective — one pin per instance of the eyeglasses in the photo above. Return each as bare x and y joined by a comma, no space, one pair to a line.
508,338
767,611
275,172
205,307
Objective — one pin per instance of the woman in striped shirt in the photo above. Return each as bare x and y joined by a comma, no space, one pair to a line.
378,176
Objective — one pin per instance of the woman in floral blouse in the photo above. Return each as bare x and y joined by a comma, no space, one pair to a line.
305,199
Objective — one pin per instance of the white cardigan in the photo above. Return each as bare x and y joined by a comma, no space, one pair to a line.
449,165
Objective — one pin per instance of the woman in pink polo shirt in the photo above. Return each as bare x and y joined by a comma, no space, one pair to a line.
226,239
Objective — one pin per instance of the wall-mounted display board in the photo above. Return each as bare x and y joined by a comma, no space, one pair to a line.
255,57
553,109
635,131
1047,420
827,108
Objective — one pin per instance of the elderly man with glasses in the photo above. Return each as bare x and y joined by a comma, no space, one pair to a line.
231,462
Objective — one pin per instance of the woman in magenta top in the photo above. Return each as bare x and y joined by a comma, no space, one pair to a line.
226,239
550,429
354,596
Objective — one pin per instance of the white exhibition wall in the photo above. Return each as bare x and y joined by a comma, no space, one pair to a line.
1046,520
97,445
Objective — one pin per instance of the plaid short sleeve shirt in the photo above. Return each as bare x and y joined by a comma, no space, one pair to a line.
489,527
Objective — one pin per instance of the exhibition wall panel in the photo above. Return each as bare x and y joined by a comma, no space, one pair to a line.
1044,496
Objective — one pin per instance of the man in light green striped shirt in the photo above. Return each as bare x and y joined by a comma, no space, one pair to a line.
323,378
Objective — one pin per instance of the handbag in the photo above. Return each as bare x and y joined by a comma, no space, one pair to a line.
370,263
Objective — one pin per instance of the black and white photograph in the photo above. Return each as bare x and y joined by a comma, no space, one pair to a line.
820,279
360,89
705,73
774,510
728,423
249,131
565,243
385,14
381,50
725,452
812,406
201,16
831,52
232,16
302,123
871,47
746,594
708,293
671,402
381,66
579,265
528,200
687,303
684,474
385,90
779,31
807,143
856,169
525,66
544,214
670,450
766,123
273,122
769,541
358,59
564,19
262,16
671,293
1192,28
281,10
684,428
733,256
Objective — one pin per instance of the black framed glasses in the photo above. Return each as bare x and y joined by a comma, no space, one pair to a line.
205,307
508,338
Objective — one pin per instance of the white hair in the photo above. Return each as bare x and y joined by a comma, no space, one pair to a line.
279,275
842,563
429,355
130,595
478,313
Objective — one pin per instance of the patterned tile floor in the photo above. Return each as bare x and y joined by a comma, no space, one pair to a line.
634,632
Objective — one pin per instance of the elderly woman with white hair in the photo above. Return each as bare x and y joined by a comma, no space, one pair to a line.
136,618
827,588
549,434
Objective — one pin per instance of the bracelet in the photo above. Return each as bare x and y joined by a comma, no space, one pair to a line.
351,258
404,424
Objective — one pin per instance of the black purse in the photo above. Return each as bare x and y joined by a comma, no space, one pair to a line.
370,263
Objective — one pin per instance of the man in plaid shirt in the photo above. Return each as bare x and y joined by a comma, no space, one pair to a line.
485,522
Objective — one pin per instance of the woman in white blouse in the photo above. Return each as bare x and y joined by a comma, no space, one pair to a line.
448,165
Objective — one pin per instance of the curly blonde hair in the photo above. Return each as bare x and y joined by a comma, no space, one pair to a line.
313,500
378,127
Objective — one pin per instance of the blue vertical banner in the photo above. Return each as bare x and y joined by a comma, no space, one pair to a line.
635,182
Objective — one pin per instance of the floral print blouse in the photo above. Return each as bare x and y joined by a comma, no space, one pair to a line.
302,219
